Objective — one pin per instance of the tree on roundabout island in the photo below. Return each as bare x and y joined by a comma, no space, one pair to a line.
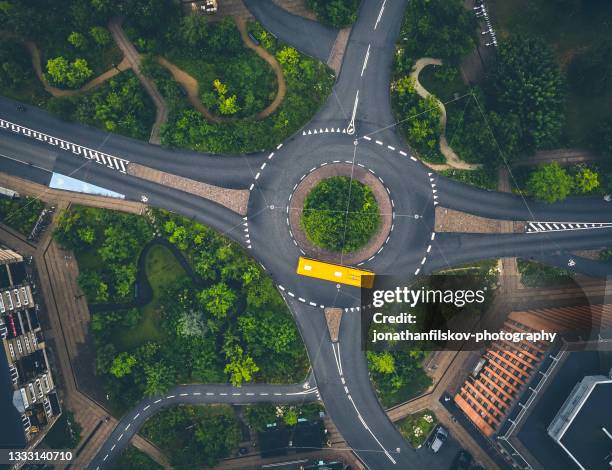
340,214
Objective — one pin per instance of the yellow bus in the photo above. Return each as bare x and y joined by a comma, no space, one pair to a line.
335,273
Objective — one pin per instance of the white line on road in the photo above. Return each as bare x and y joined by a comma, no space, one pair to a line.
382,9
365,61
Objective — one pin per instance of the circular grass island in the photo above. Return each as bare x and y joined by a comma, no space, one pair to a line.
340,214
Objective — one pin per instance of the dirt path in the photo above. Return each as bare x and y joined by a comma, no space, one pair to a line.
452,159
35,56
272,62
132,55
192,87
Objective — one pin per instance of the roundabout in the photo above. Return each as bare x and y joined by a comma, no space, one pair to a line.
278,182
400,185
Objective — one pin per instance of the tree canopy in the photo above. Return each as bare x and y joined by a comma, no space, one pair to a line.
340,214
524,81
336,13
550,183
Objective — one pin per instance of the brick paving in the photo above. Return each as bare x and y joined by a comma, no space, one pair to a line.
336,55
333,317
58,196
234,199
237,9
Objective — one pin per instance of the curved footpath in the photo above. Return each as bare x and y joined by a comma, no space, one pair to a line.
198,394
452,159
192,86
110,73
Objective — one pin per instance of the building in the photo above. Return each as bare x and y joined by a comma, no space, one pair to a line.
34,395
583,425
505,369
546,405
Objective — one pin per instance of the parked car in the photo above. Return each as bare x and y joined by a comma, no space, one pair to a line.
440,437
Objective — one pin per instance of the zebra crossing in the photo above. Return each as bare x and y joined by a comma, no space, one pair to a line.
540,227
110,161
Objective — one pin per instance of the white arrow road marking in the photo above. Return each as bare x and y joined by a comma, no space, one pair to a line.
350,129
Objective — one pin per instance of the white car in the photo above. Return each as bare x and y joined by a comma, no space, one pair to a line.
440,437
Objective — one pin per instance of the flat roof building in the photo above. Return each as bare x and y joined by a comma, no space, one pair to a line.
583,425
25,355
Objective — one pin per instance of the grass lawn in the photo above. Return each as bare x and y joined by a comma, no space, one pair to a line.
162,269
415,428
569,31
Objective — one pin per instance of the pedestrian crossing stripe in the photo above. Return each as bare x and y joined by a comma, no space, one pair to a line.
542,227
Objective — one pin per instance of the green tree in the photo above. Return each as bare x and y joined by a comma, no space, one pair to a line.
240,366
122,364
259,415
217,299
159,378
291,417
381,362
68,74
336,13
93,286
78,40
443,29
194,30
524,80
586,180
101,36
228,106
550,183
340,214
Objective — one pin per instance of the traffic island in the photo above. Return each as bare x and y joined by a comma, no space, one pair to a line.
363,176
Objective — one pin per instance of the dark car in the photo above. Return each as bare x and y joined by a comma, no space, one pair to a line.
462,461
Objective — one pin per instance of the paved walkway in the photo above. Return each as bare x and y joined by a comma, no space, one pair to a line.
563,156
452,159
35,56
132,55
58,196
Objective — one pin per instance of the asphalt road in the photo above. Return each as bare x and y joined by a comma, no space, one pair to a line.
356,126
197,394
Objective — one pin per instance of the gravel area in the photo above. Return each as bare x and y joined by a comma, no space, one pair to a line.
449,220
333,316
234,199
